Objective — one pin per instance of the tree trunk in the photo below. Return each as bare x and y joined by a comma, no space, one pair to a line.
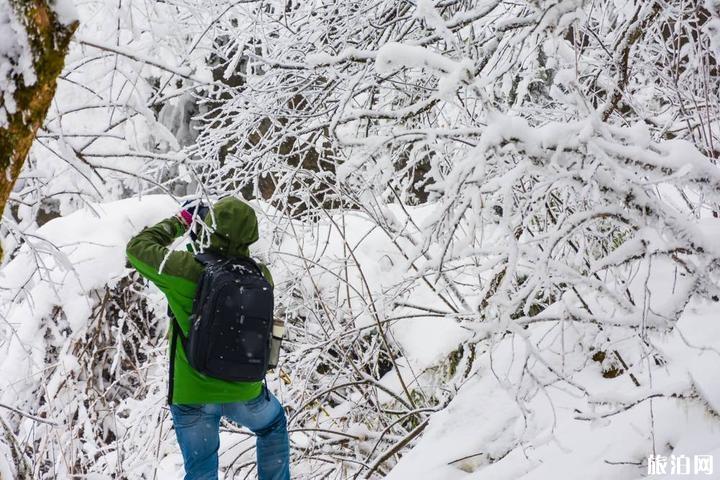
49,39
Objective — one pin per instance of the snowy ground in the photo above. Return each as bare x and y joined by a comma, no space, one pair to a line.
483,421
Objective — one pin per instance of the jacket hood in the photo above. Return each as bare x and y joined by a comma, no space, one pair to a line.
234,227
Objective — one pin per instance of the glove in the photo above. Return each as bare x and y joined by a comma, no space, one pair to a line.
192,210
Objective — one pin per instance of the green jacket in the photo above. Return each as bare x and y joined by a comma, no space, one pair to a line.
176,274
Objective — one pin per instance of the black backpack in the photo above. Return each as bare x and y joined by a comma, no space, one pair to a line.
231,321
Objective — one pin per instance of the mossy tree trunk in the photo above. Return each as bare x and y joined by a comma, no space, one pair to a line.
49,40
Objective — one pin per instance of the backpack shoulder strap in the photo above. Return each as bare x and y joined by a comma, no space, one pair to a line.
252,263
209,258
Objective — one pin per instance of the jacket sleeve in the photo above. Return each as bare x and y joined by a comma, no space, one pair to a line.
149,254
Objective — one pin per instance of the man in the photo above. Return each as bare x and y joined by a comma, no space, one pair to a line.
198,402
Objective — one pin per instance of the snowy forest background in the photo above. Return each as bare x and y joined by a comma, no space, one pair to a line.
493,227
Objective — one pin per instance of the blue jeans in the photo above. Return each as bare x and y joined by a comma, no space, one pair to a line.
198,432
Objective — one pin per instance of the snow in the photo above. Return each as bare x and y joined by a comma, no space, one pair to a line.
321,58
483,420
393,55
427,11
414,334
478,424
65,11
